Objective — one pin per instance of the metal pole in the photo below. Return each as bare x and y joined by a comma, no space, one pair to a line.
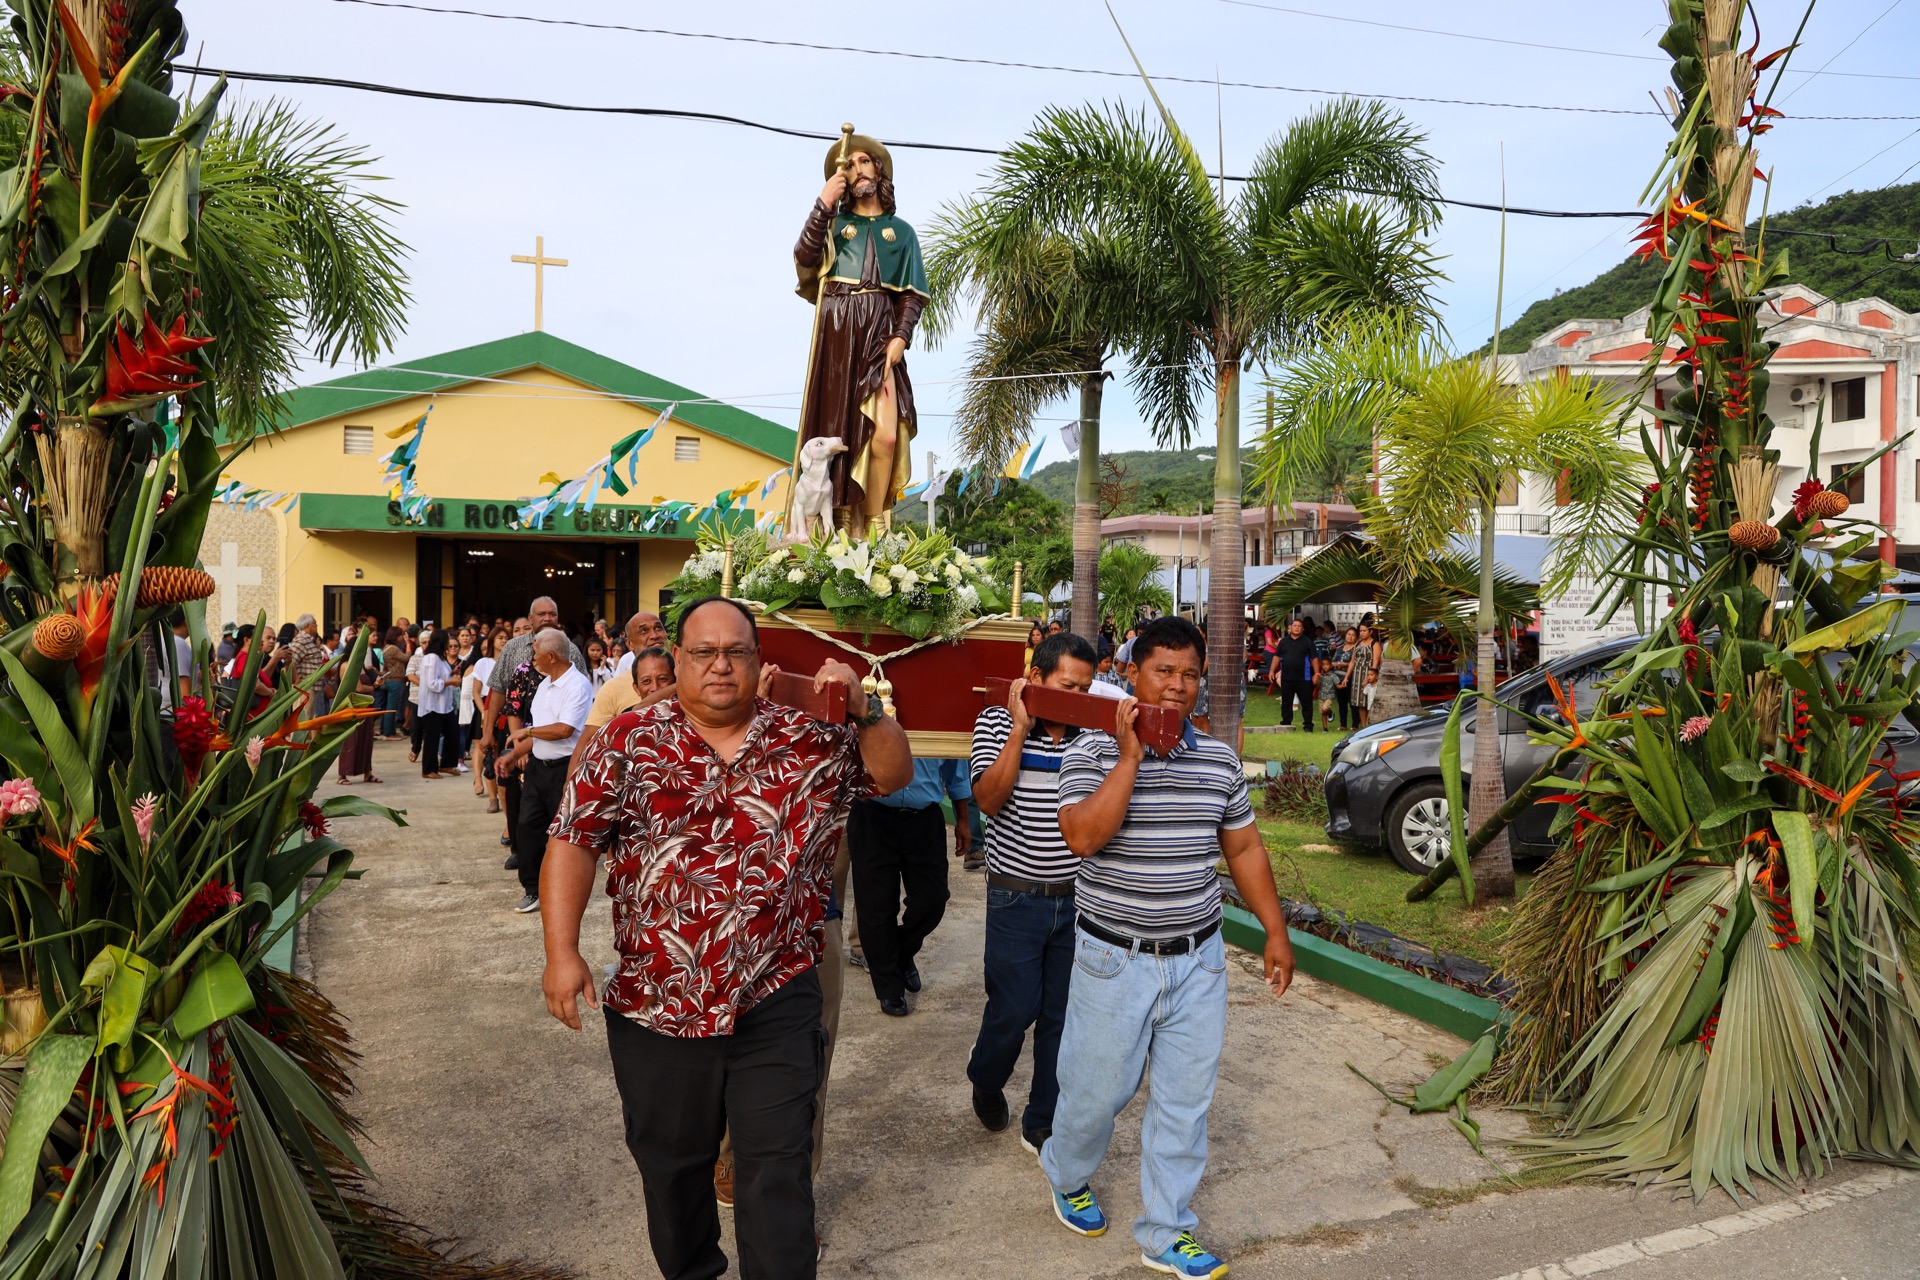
933,494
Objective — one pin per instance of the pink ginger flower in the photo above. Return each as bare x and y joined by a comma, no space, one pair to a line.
255,746
19,797
145,810
1695,727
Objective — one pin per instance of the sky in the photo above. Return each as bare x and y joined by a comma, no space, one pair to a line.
679,234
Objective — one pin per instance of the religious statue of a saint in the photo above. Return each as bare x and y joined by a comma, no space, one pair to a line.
860,265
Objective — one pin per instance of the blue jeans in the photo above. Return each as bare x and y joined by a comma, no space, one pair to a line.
1029,963
393,696
1124,1011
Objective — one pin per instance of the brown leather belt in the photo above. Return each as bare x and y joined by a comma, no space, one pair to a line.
1038,888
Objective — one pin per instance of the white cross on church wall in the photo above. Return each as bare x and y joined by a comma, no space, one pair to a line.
232,575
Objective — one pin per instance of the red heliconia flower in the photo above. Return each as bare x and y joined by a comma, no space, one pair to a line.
1803,497
214,897
314,820
1690,637
195,733
153,368
93,607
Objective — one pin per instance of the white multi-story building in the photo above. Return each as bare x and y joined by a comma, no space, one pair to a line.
1859,361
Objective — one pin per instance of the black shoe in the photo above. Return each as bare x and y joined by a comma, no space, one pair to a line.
913,979
1034,1139
991,1106
895,1007
512,862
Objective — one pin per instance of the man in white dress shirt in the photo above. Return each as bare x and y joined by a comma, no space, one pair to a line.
559,709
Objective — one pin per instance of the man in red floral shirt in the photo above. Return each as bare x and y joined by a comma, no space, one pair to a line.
719,814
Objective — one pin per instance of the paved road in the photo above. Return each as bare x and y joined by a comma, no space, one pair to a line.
490,1123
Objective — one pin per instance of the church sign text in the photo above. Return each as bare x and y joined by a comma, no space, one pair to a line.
456,516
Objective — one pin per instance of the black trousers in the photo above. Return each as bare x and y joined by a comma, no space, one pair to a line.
1303,690
541,782
439,741
1343,704
679,1094
896,853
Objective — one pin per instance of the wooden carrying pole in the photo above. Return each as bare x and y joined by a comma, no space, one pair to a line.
1158,727
813,343
827,705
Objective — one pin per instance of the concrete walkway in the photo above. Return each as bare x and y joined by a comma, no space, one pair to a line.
490,1123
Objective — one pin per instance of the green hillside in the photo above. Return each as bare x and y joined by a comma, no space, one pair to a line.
1857,217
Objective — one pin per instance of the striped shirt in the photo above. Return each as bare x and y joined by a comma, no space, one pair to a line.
1156,877
1024,838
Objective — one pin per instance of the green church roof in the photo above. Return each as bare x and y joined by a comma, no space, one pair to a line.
357,391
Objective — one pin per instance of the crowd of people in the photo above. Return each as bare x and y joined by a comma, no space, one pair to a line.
733,829
739,834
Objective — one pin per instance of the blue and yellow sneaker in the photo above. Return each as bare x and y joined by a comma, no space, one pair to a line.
1079,1212
1184,1257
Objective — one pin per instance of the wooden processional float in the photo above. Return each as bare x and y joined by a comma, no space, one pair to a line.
936,689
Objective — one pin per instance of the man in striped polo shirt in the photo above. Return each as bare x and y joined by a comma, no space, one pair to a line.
1030,875
1149,980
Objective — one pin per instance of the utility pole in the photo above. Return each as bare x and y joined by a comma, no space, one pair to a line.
933,492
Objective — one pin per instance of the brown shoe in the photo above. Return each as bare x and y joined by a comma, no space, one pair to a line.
723,1181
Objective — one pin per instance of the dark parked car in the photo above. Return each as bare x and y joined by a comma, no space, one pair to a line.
1384,787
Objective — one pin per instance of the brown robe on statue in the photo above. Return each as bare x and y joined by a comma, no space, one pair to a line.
850,362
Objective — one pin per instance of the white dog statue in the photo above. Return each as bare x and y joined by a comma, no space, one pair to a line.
813,489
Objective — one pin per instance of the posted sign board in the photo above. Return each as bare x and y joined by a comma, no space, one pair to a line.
1572,621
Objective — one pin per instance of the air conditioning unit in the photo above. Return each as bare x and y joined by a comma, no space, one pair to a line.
1800,394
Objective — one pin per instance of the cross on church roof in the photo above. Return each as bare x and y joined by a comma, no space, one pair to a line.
540,262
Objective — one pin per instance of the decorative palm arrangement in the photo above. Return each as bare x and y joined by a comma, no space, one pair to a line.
172,1103
919,584
1716,969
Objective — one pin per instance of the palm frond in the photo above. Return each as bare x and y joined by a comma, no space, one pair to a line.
292,250
1353,149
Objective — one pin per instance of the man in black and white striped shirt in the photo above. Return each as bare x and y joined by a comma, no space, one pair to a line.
1030,879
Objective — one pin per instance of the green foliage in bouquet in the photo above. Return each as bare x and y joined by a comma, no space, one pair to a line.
919,584
1716,969
172,1104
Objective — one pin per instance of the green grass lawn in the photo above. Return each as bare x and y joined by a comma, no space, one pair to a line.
1368,885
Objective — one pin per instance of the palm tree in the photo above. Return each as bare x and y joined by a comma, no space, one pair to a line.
1050,309
1329,219
1451,434
1129,583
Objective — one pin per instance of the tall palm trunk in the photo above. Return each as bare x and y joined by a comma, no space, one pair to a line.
1086,512
1493,867
1226,591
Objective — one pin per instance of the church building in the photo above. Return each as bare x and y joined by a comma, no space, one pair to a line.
507,418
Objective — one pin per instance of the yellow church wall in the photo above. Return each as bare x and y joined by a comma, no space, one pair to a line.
316,561
490,441
660,564
495,440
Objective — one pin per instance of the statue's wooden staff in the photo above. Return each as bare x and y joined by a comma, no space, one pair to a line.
813,343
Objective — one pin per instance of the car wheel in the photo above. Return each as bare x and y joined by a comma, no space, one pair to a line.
1418,834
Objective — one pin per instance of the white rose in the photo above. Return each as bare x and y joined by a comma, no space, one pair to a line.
796,575
953,573
909,581
881,584
899,571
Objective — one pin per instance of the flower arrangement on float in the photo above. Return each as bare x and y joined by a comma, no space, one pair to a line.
919,584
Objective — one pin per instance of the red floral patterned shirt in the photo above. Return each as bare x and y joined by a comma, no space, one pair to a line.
718,872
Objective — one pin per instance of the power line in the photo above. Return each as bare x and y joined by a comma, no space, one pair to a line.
1843,48
1869,160
1208,81
710,117
1522,44
1079,71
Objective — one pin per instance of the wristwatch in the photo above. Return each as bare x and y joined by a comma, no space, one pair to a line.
875,714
